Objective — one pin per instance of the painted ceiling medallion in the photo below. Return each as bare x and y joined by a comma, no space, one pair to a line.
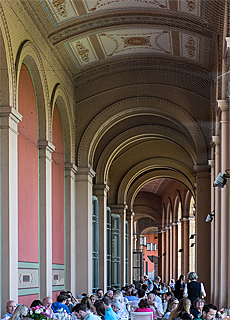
136,41
82,51
191,47
61,8
191,4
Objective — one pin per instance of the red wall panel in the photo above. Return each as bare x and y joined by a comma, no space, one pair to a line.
27,171
28,299
58,189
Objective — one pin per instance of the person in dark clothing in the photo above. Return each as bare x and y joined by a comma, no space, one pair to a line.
197,309
194,289
179,287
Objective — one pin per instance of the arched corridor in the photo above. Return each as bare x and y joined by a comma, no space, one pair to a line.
114,126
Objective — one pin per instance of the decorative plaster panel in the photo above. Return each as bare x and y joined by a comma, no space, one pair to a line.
27,278
81,51
190,46
58,277
99,5
190,7
135,41
59,11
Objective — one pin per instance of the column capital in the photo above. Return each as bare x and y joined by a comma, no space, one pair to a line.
223,105
211,163
46,144
101,187
216,140
11,112
118,208
185,219
86,172
70,167
130,213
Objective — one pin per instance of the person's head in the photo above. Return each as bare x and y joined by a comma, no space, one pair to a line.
100,308
118,296
209,311
61,298
168,295
20,311
172,304
192,276
93,298
157,279
143,304
80,311
100,293
141,293
109,294
128,291
87,302
199,304
36,303
107,302
134,292
184,305
47,302
68,300
181,278
151,298
11,306
145,287
115,306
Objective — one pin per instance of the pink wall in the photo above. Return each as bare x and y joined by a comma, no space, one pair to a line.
54,295
27,171
58,190
27,299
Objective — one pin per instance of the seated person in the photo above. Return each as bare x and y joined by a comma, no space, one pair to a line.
35,303
197,309
60,306
144,306
172,305
121,313
10,307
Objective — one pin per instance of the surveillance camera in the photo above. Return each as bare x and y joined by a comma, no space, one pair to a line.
220,181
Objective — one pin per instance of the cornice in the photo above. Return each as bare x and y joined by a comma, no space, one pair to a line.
96,22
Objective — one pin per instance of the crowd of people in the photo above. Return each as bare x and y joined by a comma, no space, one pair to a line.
179,300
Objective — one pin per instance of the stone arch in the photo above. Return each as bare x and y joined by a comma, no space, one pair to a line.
152,164
169,211
177,200
187,204
131,107
150,176
134,134
7,66
60,96
29,55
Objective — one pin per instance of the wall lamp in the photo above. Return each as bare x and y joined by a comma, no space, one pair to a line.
193,244
221,179
210,216
181,250
162,255
192,236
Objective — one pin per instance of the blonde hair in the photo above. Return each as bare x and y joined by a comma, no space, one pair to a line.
184,305
20,311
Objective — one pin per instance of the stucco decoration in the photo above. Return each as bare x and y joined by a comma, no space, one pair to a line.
60,96
134,134
9,96
153,164
145,178
29,54
132,107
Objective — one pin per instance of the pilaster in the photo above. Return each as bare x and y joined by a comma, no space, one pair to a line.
45,213
129,218
84,193
185,244
101,192
70,225
175,249
203,228
121,210
9,119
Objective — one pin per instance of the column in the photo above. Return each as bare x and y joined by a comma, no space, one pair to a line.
175,250
203,228
84,193
121,210
129,218
45,215
100,191
211,163
70,226
224,219
185,244
9,119
216,222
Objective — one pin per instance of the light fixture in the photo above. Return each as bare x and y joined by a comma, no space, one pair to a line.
193,244
164,254
210,216
221,180
192,236
155,237
181,250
